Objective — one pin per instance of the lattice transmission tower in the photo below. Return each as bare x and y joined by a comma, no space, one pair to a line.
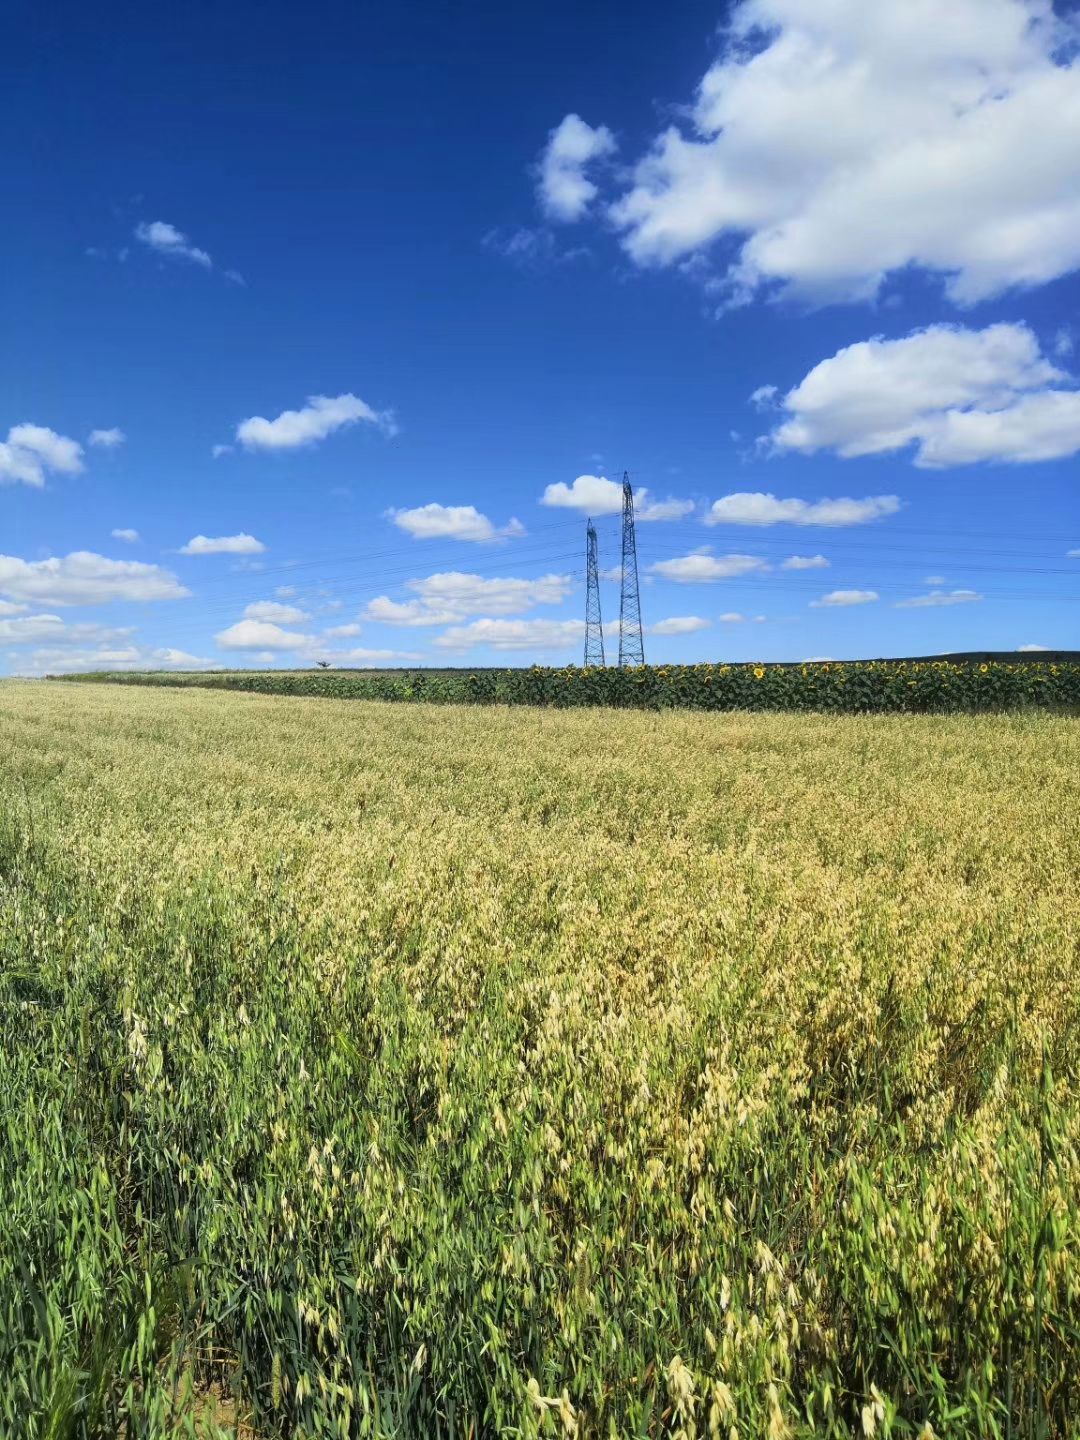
631,643
594,626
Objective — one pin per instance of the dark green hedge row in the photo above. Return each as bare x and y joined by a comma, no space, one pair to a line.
872,685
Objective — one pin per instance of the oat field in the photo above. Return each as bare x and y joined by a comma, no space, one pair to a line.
374,1070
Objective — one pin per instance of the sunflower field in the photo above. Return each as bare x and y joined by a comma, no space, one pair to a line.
891,686
402,1071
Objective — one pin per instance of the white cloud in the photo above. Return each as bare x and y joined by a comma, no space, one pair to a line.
9,607
591,494
285,592
702,566
939,597
166,239
32,451
845,597
51,629
958,396
755,508
260,635
107,439
513,635
596,495
679,625
83,578
564,191
1030,649
265,640
278,614
532,249
451,596
838,143
320,417
241,544
1072,555
385,611
130,537
645,509
51,661
805,562
504,595
934,580
216,451
362,656
452,522
732,617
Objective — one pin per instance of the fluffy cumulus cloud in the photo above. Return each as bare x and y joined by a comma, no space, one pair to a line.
65,661
833,144
129,537
386,611
805,562
451,596
320,417
596,495
565,191
513,635
679,625
33,451
702,566
166,239
957,396
106,439
242,544
939,597
275,612
755,508
54,630
83,578
260,635
265,640
452,522
841,598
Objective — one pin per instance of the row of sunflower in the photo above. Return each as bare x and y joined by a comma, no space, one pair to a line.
891,686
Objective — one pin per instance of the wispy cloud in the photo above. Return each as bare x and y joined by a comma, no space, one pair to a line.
939,597
107,439
166,239
320,417
845,597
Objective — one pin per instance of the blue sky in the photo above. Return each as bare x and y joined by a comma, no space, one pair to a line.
326,329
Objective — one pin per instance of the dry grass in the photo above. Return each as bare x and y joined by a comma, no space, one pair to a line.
520,1071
